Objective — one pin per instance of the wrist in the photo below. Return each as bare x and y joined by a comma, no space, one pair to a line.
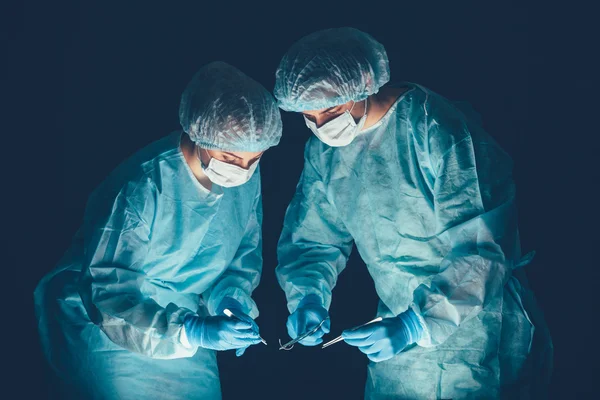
229,303
412,325
184,339
311,299
192,327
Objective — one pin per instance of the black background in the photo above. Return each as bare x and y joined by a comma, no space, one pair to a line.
88,85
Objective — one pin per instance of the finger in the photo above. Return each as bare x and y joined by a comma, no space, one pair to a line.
246,334
248,319
361,342
310,341
362,332
314,337
373,348
326,327
317,334
379,357
237,342
291,328
354,342
309,326
312,324
240,352
253,341
238,325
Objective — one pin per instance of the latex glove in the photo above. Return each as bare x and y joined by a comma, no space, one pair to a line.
382,340
308,315
221,332
236,308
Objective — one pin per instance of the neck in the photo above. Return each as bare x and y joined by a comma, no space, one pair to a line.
188,148
379,104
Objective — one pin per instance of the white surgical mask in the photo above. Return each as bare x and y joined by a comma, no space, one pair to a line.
225,174
341,130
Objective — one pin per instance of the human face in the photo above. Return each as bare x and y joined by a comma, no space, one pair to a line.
242,159
324,115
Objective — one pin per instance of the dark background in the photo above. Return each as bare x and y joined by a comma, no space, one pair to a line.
88,85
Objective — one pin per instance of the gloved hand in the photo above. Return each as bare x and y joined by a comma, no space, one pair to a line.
382,340
308,315
222,332
236,308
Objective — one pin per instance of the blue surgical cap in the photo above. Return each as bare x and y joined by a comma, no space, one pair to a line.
223,109
330,67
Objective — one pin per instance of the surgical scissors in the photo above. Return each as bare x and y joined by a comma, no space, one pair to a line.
339,338
289,345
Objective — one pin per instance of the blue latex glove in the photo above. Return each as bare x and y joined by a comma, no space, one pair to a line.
236,308
221,332
382,340
308,315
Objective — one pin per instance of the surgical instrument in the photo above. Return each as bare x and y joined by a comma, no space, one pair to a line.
339,338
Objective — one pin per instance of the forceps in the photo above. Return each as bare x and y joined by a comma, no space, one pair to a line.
339,338
291,343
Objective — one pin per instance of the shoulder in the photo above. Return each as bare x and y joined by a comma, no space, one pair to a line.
129,191
439,124
134,196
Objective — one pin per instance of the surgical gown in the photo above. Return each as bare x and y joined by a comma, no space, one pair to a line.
154,247
428,199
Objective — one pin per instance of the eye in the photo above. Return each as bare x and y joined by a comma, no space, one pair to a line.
333,111
227,158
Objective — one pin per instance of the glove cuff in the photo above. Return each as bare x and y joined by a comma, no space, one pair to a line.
412,324
230,303
311,299
192,325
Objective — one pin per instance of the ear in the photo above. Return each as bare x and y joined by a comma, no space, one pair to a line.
205,156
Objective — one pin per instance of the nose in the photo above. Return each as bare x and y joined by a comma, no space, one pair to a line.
320,120
246,164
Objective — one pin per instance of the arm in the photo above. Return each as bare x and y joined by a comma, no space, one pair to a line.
115,287
475,214
243,274
314,245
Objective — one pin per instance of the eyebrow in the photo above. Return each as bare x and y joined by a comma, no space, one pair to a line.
232,155
239,158
328,109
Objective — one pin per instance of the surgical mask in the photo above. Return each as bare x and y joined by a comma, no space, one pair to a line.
225,174
341,130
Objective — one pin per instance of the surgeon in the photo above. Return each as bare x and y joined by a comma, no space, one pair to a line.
172,238
428,199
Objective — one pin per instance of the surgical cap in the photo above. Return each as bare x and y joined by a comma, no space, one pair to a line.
330,67
223,109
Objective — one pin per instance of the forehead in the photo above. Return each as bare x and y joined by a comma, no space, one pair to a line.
321,111
242,154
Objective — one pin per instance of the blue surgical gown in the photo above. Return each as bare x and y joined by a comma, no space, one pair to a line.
428,199
154,247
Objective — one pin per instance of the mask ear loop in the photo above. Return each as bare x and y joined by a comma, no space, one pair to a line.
200,156
352,108
354,103
198,149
